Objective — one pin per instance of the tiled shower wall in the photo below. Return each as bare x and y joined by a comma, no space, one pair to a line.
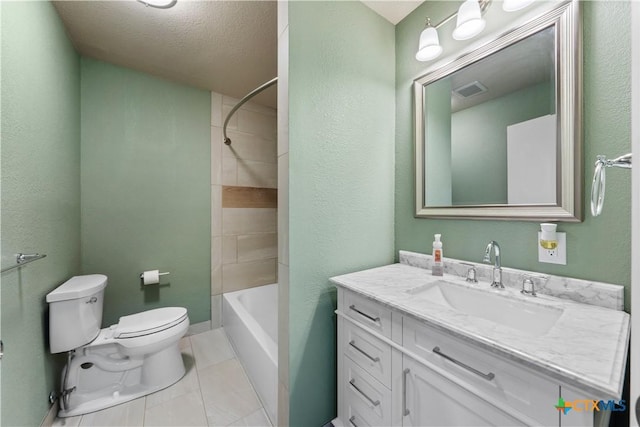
244,177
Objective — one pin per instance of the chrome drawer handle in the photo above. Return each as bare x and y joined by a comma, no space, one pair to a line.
487,377
373,359
373,319
405,411
373,402
352,421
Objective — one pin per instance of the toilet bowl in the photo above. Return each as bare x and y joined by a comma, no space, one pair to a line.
135,357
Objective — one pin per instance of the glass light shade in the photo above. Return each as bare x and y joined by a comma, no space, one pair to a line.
159,4
429,47
513,5
469,23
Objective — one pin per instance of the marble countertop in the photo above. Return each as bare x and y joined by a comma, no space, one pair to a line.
586,347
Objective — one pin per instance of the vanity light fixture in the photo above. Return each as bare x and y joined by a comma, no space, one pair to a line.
469,23
159,4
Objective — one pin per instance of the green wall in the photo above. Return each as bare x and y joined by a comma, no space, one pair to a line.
146,198
40,208
598,248
341,133
479,143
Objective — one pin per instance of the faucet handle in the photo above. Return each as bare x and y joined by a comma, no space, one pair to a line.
472,273
528,290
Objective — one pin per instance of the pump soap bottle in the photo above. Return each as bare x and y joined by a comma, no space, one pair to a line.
438,266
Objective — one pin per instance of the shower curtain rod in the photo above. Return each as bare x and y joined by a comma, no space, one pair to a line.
247,97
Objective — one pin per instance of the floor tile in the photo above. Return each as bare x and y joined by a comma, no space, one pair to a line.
185,410
67,422
126,414
256,419
227,393
210,348
188,383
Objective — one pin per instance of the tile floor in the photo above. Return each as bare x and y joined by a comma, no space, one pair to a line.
215,391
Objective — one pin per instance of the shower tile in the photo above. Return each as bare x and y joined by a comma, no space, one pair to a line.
216,155
283,323
227,393
283,84
184,410
229,249
211,348
216,280
248,274
249,197
216,109
283,405
216,264
283,209
216,311
250,147
233,121
126,414
256,419
229,171
254,247
240,221
257,123
188,383
216,209
250,106
257,174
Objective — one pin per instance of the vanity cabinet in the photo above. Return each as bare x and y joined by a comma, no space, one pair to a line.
396,370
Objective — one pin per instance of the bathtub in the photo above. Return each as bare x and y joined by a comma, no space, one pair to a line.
250,319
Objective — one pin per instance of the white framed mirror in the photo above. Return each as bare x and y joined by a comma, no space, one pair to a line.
498,131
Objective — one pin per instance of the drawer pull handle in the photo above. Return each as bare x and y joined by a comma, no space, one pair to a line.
487,377
352,420
373,319
373,359
373,402
405,411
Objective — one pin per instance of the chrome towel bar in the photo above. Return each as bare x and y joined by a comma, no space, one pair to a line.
22,259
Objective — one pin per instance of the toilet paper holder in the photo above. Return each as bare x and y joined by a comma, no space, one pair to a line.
151,277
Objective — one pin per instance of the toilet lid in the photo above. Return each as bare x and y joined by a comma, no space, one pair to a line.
149,322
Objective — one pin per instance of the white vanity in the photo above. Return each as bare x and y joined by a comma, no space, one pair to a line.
419,350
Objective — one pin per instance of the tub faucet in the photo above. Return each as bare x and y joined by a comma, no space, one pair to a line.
497,268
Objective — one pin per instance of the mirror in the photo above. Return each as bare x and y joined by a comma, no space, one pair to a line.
498,130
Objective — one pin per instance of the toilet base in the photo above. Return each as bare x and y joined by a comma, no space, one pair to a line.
102,377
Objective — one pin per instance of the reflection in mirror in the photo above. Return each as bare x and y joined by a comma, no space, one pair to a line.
490,129
498,130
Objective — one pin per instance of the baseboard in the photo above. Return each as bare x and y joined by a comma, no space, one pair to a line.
51,415
198,328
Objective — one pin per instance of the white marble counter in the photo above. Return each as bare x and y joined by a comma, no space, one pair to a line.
586,348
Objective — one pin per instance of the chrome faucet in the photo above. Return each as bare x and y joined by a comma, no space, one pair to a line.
497,268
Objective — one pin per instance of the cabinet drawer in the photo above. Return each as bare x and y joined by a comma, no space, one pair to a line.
370,313
368,352
368,402
486,374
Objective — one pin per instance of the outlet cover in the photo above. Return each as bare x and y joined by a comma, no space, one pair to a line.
553,256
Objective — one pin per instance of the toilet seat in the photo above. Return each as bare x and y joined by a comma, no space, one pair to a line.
149,322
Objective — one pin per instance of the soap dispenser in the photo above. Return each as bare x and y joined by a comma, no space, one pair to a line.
438,266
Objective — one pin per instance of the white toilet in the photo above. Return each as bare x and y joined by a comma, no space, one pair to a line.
106,367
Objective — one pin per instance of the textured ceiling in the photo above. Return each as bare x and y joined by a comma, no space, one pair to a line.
229,47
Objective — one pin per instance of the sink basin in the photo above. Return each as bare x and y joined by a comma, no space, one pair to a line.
527,317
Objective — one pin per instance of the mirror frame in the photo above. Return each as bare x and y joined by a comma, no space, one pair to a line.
568,69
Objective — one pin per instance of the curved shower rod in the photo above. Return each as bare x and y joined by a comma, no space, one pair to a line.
247,97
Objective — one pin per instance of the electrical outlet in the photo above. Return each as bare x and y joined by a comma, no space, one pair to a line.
553,256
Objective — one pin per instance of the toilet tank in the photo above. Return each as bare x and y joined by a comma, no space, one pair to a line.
75,312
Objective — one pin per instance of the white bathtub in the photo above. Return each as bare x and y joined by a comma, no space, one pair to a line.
250,319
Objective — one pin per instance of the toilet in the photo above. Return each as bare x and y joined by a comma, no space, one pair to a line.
105,367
